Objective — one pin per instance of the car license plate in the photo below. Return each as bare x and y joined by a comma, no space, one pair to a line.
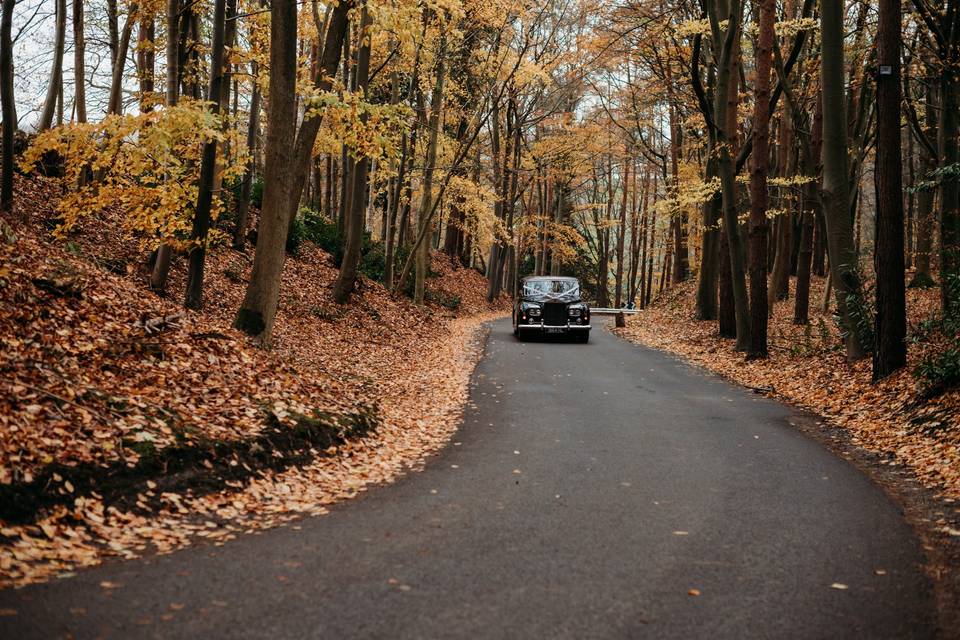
554,330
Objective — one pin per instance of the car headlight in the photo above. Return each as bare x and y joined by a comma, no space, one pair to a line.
531,308
575,312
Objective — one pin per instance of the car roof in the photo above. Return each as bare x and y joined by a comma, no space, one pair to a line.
550,278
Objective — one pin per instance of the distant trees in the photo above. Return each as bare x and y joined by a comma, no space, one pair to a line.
839,117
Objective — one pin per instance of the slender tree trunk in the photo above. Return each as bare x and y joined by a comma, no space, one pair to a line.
801,309
644,226
229,41
727,173
161,267
891,318
9,106
653,237
56,73
115,104
810,212
246,185
208,166
819,267
426,199
836,194
706,308
680,254
925,222
79,62
146,60
758,182
495,153
343,286
621,236
949,191
346,162
909,200
401,195
113,29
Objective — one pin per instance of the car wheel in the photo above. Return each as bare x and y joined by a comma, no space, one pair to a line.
516,332
584,336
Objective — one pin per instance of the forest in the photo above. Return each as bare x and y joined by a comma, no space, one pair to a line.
637,145
316,194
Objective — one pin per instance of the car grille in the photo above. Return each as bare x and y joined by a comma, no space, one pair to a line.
555,314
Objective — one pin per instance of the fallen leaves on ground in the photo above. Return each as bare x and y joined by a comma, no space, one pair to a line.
82,381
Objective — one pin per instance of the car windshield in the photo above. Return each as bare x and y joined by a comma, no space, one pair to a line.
551,288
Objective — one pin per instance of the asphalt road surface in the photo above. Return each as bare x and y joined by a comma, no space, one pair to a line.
592,491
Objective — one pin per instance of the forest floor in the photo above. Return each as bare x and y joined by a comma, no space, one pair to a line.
129,426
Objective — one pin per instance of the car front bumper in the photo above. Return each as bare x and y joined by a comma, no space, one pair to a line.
542,328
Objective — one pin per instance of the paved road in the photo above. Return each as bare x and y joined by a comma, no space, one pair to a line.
589,490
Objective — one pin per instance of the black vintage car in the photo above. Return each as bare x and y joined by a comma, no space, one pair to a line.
551,305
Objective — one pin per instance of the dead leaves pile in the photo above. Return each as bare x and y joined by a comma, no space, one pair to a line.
806,368
81,381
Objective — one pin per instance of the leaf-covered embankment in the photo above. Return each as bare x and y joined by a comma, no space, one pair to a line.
141,427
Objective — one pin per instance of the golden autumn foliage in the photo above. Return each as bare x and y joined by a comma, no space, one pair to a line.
147,164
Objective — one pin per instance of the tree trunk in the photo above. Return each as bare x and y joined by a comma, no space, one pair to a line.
780,273
819,267
346,162
286,167
621,237
644,226
256,315
949,192
801,308
836,195
246,185
229,41
909,201
9,106
758,182
347,277
56,73
706,307
161,268
79,62
680,257
810,213
113,30
891,319
727,173
493,271
925,221
115,104
146,60
208,166
653,237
